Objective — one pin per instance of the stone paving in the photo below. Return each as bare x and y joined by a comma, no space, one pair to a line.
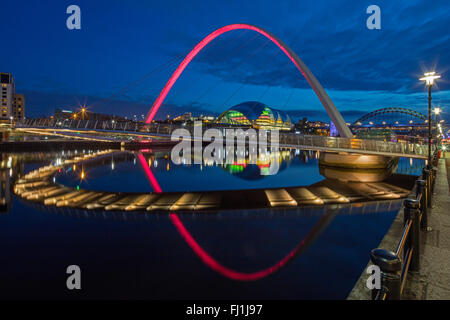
432,282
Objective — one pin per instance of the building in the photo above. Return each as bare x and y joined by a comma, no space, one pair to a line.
256,115
19,107
66,114
7,96
183,118
61,114
301,126
204,118
333,130
381,134
189,118
319,128
12,105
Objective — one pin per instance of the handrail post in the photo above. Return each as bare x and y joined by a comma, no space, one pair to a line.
426,177
390,266
430,182
433,179
412,205
422,190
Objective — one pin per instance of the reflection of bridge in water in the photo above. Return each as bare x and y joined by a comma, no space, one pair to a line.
68,202
40,186
327,214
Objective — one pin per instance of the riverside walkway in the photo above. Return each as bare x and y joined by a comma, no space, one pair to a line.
432,281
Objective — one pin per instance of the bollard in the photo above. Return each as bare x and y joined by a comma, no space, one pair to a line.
412,206
390,266
421,189
433,175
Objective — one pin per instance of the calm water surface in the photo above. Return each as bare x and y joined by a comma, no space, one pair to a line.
158,256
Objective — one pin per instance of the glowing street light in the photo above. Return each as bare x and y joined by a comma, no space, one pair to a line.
429,78
83,112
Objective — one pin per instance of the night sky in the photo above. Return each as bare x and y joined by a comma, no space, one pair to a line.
126,51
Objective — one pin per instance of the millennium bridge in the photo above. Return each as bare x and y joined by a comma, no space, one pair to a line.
129,132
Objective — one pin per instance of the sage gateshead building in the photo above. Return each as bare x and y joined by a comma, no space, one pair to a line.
256,115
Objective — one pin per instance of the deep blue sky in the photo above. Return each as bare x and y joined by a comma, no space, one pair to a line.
121,42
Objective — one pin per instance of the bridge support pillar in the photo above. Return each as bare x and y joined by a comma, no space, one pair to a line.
356,167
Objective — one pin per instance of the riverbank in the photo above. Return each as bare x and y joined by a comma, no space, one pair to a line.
432,281
69,144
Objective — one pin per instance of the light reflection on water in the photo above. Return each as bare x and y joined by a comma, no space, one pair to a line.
136,255
123,172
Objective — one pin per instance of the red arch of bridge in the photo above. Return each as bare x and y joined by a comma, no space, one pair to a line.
217,266
334,114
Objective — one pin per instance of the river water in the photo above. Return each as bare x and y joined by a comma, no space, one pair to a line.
303,253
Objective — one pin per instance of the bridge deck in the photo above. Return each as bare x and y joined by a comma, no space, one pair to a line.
286,140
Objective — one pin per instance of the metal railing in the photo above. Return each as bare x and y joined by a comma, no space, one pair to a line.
363,145
285,138
395,265
106,125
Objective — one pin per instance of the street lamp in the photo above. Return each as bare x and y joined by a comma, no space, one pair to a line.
429,78
83,112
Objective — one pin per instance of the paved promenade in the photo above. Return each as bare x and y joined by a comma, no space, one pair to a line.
432,282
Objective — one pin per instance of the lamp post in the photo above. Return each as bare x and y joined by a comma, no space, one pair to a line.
429,78
436,115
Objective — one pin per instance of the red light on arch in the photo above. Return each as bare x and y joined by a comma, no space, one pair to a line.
159,100
217,266
151,178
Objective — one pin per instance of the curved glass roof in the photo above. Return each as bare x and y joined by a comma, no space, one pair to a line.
252,110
